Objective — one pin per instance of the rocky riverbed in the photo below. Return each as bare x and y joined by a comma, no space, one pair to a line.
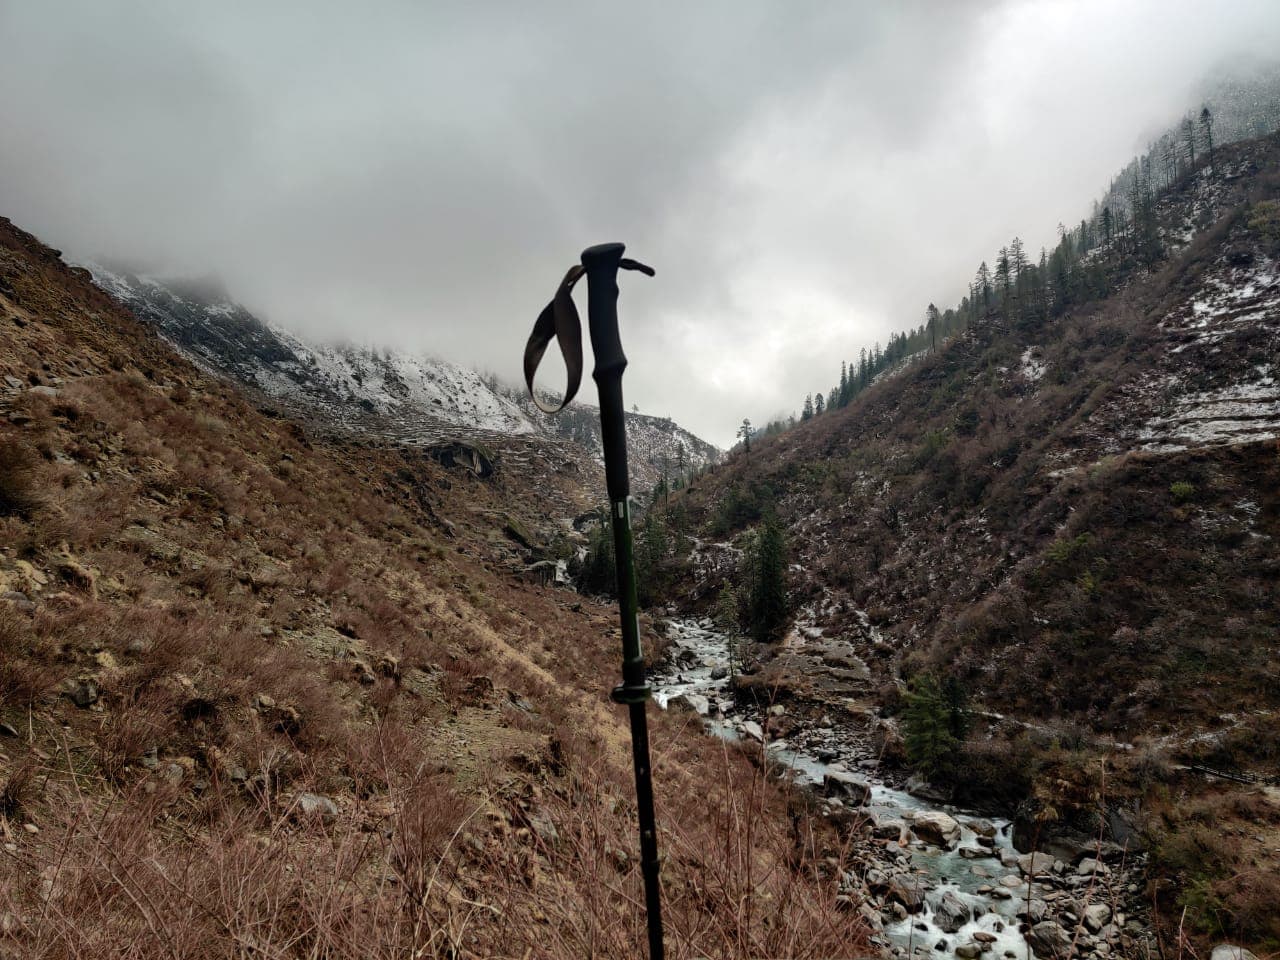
933,880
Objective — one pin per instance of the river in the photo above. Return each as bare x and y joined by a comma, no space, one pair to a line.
977,873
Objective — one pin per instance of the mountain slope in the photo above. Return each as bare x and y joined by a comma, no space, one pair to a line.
1075,519
264,692
412,399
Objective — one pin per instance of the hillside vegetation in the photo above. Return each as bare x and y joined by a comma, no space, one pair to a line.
264,695
1072,515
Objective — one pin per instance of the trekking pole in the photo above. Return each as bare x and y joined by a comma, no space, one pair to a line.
600,265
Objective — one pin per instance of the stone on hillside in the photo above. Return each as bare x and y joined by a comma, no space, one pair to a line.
951,913
544,829
691,701
83,693
316,805
49,393
835,784
936,827
1226,951
1095,916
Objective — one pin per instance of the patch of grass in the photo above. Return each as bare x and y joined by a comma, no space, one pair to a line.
19,494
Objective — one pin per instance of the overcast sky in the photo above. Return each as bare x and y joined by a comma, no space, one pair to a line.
805,177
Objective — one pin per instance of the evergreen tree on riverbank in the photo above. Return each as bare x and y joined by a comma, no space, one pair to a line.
767,570
935,724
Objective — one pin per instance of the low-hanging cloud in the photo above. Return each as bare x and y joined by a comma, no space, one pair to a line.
804,177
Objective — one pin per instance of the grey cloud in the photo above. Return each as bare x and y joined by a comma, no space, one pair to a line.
805,176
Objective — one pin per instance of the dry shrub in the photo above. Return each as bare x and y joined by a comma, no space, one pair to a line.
19,494
28,668
743,875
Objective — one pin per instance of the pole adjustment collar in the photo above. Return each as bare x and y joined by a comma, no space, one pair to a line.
629,693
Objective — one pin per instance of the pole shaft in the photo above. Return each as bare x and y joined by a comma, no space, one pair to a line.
601,265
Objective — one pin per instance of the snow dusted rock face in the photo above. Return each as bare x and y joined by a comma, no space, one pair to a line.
1213,380
412,398
344,382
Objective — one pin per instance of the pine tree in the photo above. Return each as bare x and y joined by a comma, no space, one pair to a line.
1017,261
1189,141
983,284
931,325
744,432
728,618
819,404
1206,126
929,728
844,383
768,609
806,412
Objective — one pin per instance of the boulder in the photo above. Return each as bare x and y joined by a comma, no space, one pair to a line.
691,701
316,805
1095,916
1048,939
1033,911
846,785
951,913
969,951
1225,951
936,827
983,828
1089,866
887,828
908,891
1034,864
752,730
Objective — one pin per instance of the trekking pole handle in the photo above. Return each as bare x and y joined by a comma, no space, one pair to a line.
601,264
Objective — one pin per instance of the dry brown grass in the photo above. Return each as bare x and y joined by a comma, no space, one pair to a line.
167,809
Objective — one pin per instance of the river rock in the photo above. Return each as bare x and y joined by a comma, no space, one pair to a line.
1090,866
969,951
1049,940
983,828
922,788
752,730
1226,951
887,828
1033,911
951,913
1034,864
719,673
936,827
691,701
1095,916
836,784
908,891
